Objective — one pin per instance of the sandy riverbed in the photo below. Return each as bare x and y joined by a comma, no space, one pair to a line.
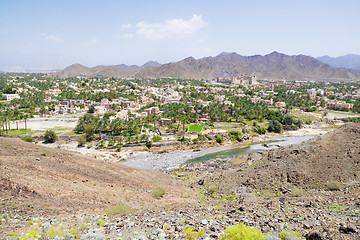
141,157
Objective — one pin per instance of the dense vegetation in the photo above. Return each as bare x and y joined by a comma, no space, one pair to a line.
219,103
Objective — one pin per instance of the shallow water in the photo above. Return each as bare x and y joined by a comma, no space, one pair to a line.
175,159
236,151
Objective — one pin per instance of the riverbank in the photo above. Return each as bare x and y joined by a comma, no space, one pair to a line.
164,157
168,161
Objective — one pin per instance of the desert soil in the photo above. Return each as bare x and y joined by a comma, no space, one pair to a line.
284,188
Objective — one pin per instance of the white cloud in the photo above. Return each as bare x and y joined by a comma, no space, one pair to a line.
126,26
176,27
92,41
51,37
126,35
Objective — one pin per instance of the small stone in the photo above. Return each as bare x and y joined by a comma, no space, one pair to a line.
212,228
179,228
351,228
306,226
204,222
214,236
314,235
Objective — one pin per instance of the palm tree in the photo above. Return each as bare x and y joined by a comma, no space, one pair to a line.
2,121
16,114
117,125
25,117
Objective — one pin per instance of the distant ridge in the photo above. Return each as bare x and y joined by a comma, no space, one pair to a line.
121,70
271,66
350,61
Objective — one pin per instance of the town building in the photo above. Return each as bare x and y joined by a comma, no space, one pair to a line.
10,97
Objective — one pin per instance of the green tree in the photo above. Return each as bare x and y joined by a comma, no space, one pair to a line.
275,126
42,111
219,139
81,141
149,144
91,109
50,136
89,131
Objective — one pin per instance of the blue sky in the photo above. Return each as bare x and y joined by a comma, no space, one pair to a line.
46,34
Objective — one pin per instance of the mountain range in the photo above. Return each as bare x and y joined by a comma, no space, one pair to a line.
351,61
271,66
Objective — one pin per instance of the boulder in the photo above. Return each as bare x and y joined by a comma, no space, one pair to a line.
314,235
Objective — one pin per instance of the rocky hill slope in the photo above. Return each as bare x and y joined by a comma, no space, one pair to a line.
330,160
272,66
351,61
37,180
282,189
119,71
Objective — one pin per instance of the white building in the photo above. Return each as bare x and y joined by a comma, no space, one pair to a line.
10,97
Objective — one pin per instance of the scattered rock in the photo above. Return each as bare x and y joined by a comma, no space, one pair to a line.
314,235
204,222
349,228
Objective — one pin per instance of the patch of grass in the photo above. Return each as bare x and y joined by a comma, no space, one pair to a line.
219,139
334,207
196,128
267,194
55,231
287,235
100,223
83,227
251,122
297,192
242,232
158,192
332,186
210,190
58,128
120,209
27,138
22,132
345,113
156,138
190,233
75,232
30,234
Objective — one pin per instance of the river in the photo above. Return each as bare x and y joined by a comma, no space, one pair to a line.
174,159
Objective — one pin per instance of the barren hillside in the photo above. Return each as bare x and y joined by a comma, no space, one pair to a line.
271,66
330,158
44,181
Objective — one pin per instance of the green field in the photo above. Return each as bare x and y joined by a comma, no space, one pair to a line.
21,132
195,128
345,113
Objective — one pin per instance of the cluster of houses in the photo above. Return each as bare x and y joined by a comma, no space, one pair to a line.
10,97
126,109
331,104
244,80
